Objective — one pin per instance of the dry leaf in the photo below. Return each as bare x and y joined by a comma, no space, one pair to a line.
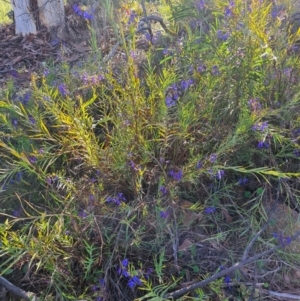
186,244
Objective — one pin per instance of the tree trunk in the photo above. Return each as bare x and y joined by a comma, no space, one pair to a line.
31,14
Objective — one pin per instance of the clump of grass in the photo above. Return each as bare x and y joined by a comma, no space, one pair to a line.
127,182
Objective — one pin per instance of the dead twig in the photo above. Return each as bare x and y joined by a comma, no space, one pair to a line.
227,271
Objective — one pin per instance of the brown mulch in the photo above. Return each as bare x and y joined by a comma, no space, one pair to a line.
21,56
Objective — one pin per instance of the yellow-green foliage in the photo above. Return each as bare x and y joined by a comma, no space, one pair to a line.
5,7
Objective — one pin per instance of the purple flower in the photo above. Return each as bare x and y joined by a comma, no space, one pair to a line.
46,72
223,36
210,210
148,273
200,5
176,175
137,280
125,273
14,123
220,174
116,199
62,89
125,262
263,144
167,51
82,214
19,175
228,12
25,98
260,144
132,17
227,279
297,152
201,68
199,165
260,126
133,166
186,83
76,9
282,239
163,190
102,282
87,16
254,104
277,11
17,212
264,125
243,181
170,102
134,281
164,214
213,158
32,159
215,70
32,120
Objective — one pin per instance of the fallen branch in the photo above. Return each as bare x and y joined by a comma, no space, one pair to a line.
227,271
13,289
160,21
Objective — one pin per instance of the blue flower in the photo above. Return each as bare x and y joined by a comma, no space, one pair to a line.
228,12
213,158
25,98
164,214
243,181
176,175
32,159
200,5
254,104
87,16
263,144
201,68
82,214
227,279
282,239
32,120
62,88
260,126
134,281
215,70
297,152
220,174
116,199
210,210
170,102
163,190
223,36
186,83
14,123
132,17
125,262
199,164
76,9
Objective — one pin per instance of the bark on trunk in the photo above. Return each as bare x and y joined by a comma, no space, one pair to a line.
30,14
24,20
51,13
